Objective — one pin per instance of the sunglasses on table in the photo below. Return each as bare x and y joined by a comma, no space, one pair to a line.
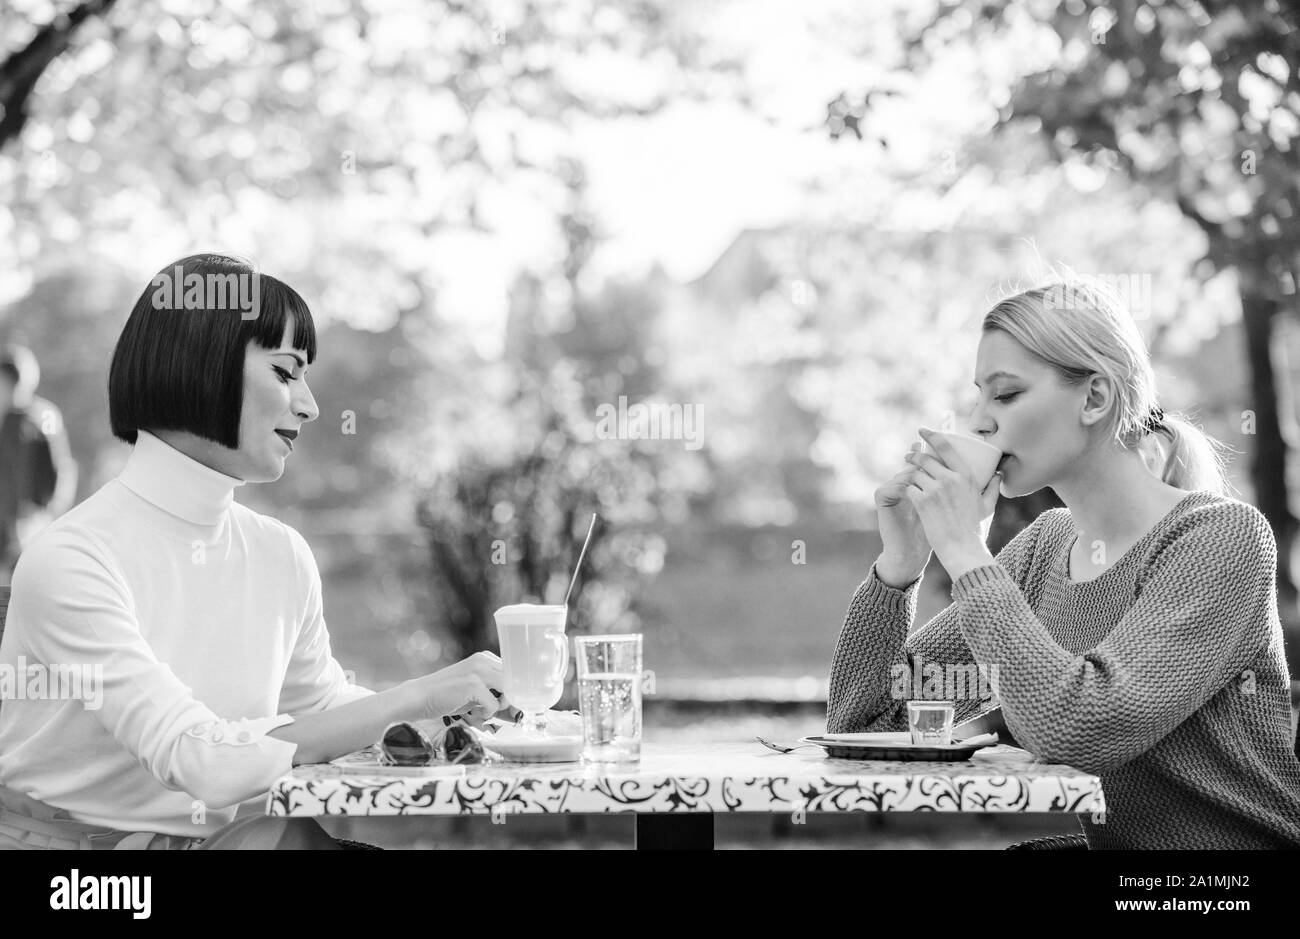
405,743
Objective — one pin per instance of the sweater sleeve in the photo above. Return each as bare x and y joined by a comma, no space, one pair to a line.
876,660
74,612
1204,609
314,680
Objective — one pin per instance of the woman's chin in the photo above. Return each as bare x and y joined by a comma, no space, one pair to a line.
266,470
1018,490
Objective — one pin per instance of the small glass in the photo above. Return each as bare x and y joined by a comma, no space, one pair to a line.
609,697
930,722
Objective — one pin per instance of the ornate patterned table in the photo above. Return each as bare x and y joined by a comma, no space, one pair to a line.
676,789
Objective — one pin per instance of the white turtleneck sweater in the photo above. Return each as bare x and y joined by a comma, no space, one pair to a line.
203,618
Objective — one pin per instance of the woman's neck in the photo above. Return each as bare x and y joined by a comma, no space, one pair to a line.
1116,499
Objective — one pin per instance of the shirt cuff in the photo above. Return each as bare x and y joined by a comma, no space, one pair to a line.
223,762
978,577
242,732
876,592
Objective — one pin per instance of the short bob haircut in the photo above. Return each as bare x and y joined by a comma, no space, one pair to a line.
183,369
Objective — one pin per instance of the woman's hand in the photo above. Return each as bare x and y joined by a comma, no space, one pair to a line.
901,532
953,508
469,690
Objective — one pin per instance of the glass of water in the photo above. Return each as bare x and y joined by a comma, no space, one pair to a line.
609,697
930,722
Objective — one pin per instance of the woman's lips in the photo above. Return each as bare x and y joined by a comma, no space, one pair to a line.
288,441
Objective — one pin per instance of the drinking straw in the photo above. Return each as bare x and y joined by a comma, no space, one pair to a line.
577,567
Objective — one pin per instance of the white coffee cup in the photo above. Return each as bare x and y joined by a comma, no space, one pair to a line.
981,457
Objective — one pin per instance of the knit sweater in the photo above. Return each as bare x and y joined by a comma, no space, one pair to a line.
1164,676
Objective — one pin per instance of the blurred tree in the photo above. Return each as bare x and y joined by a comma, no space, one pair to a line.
23,68
508,516
1200,103
347,140
508,510
211,114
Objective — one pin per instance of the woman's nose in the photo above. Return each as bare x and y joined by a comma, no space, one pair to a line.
305,406
980,425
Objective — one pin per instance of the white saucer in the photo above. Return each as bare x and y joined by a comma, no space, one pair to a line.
559,749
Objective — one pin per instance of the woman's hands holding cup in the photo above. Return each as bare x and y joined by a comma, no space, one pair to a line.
954,508
469,690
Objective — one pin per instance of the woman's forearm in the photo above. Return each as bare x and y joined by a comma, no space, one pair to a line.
871,639
322,736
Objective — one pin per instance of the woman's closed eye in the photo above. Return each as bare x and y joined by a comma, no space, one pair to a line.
282,374
1006,397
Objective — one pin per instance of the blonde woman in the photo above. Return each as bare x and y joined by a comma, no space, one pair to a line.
1135,632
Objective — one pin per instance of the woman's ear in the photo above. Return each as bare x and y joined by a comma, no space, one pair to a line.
1099,397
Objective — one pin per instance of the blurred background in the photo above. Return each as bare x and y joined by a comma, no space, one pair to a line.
513,219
